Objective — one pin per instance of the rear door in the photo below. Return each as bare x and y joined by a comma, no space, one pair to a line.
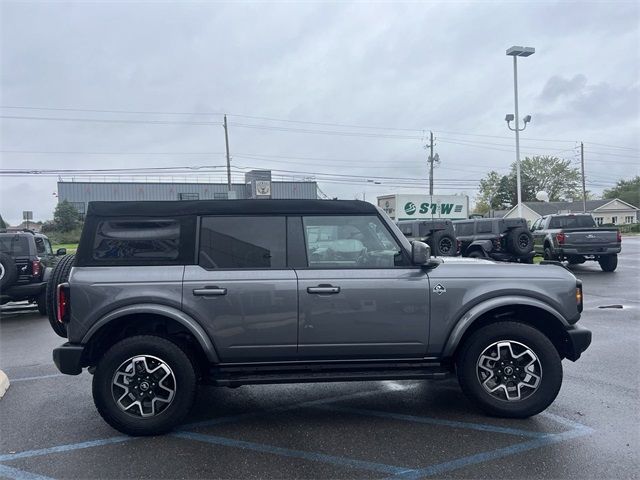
359,296
241,290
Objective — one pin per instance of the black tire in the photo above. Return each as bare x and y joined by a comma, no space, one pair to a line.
477,254
443,244
184,385
608,263
59,275
548,254
41,301
8,271
520,241
535,400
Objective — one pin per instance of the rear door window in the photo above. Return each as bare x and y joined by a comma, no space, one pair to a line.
463,229
243,242
14,245
139,240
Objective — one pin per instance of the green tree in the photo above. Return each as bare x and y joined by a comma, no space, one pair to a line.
2,223
65,217
626,190
546,173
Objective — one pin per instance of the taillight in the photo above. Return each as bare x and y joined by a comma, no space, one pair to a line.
618,236
560,238
63,303
579,296
36,268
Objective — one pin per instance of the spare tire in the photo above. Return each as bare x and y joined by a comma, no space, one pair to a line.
520,241
59,275
443,244
8,270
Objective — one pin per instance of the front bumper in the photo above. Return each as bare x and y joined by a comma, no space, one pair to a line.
578,340
68,358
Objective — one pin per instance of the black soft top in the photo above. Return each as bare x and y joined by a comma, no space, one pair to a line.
229,207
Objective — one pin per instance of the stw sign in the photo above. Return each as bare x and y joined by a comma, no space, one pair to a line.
415,207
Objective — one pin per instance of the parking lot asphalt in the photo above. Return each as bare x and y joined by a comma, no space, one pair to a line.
49,427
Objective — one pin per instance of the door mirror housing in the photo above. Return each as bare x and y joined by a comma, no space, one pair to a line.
420,253
61,251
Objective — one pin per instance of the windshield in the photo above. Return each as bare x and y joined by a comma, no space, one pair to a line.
572,221
15,245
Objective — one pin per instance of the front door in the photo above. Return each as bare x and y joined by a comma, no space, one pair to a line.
241,291
359,297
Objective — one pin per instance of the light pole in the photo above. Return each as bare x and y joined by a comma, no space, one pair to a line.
516,52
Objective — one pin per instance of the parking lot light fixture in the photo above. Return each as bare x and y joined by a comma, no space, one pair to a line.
516,52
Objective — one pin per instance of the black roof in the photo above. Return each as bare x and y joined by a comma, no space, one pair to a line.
229,207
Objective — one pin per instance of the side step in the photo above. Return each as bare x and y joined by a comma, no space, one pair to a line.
234,375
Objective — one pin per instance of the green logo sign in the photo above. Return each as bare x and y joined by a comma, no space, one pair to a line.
410,208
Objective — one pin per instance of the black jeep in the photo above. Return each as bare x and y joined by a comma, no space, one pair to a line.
502,239
438,234
26,259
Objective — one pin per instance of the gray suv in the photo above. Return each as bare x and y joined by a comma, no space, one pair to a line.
163,296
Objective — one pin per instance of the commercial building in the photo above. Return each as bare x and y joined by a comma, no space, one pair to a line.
608,211
258,184
422,207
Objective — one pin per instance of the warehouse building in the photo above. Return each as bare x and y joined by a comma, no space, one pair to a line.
258,184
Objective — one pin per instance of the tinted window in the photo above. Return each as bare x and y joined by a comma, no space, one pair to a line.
243,242
15,245
484,227
463,229
572,221
350,242
153,240
40,248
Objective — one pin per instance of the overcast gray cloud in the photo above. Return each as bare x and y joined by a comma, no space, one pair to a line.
424,66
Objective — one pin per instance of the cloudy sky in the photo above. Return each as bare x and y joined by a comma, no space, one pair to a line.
403,68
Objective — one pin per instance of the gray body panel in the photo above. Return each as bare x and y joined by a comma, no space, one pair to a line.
578,241
376,313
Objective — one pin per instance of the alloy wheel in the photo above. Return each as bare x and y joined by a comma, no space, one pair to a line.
509,370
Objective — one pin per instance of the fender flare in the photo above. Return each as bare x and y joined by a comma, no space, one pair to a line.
485,245
471,315
164,311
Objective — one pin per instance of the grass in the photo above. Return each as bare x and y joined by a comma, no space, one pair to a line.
71,247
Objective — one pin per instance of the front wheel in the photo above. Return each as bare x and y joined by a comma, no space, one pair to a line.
144,385
510,369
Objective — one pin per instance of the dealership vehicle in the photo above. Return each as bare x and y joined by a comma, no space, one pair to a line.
25,261
438,234
165,295
576,238
503,239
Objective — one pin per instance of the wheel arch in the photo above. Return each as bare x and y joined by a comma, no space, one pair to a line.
526,310
162,320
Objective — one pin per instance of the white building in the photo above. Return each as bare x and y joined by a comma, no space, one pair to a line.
607,211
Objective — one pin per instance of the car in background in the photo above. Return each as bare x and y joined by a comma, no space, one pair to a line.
439,234
502,239
576,238
26,259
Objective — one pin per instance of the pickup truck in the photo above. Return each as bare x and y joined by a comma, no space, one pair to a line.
576,238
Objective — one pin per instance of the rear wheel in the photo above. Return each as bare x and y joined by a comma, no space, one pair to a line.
59,275
510,369
41,301
608,263
476,254
144,385
548,254
443,243
520,241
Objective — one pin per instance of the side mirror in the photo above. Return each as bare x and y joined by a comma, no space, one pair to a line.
61,251
420,253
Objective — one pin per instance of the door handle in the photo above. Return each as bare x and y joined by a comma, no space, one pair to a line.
209,291
324,289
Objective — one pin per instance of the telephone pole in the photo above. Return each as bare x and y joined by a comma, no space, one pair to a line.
226,144
584,190
431,163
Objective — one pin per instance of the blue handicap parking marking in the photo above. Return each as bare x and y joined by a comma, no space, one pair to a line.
533,440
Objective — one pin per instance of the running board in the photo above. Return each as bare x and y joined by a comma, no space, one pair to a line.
329,372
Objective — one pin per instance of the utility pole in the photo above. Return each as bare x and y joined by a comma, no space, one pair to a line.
431,163
584,190
226,144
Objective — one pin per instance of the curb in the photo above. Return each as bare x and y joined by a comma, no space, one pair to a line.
4,383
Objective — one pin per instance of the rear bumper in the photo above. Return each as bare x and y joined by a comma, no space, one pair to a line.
578,340
23,292
578,250
68,358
